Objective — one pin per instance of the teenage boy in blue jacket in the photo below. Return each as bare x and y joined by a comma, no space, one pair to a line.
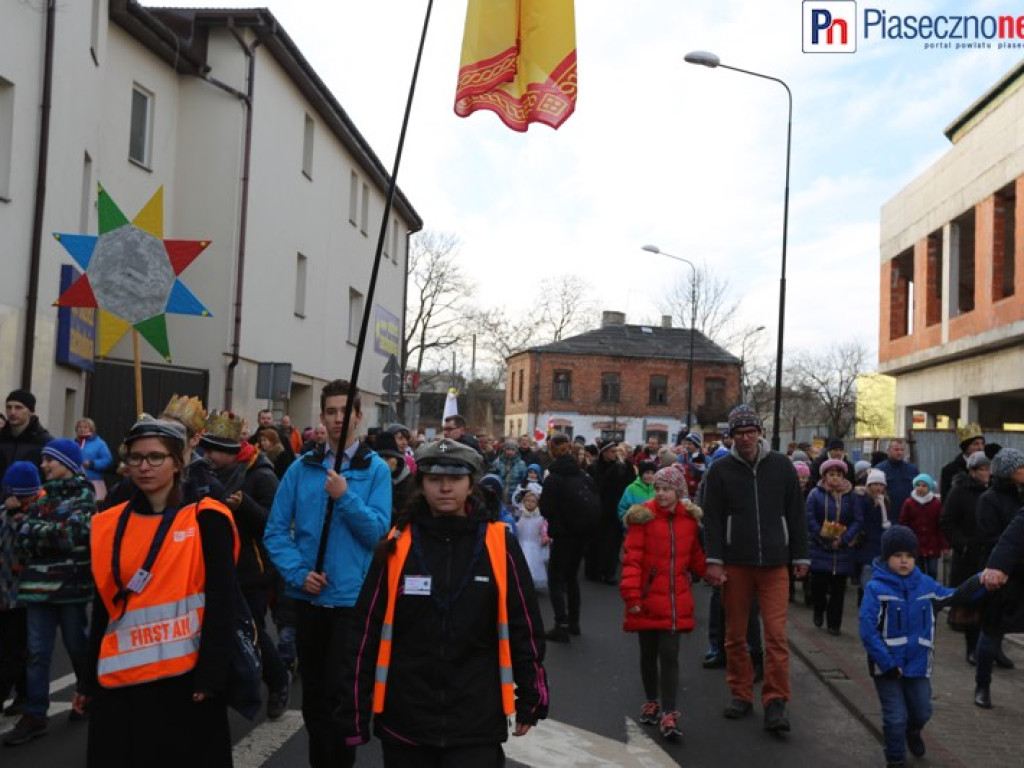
325,600
897,628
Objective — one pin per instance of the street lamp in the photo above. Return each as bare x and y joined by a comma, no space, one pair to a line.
707,59
693,327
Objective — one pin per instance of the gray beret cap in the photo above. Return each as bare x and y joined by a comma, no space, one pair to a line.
447,457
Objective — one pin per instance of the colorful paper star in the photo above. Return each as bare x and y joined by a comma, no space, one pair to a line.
131,274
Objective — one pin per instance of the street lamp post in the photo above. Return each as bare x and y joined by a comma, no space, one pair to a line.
707,59
693,327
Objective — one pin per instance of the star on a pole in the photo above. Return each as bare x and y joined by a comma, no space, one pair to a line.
131,274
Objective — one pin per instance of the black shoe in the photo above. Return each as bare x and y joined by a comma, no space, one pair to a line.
277,702
819,620
834,631
574,628
74,717
895,764
982,697
915,743
1003,661
611,581
28,728
972,659
775,717
15,708
737,708
558,633
714,660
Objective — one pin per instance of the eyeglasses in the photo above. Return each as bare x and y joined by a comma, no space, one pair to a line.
744,433
154,459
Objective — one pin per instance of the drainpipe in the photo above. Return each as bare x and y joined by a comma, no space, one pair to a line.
243,216
32,303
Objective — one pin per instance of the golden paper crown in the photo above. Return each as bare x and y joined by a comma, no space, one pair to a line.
968,432
188,410
224,426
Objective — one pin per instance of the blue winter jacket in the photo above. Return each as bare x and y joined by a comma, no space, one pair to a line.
95,451
361,516
897,620
821,505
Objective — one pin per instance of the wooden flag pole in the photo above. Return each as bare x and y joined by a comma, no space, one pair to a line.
353,386
137,353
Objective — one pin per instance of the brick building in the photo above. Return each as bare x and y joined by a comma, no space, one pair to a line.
952,274
620,381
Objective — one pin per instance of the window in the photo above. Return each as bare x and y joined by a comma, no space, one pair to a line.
520,385
658,390
609,387
658,434
6,137
714,394
901,295
1004,242
355,315
561,386
300,285
394,240
307,149
615,435
364,217
962,261
387,241
353,198
933,279
141,126
86,196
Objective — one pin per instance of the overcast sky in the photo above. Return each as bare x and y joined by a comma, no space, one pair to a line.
659,151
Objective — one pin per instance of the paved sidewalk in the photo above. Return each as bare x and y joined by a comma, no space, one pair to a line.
959,734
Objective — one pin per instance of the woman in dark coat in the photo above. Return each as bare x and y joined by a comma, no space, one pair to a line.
959,526
997,507
834,518
437,679
174,715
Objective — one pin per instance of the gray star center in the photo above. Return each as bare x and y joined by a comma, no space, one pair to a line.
130,274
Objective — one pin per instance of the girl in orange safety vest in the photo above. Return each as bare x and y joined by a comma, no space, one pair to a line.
162,625
450,642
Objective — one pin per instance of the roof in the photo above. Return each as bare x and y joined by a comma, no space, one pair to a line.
995,95
645,341
171,33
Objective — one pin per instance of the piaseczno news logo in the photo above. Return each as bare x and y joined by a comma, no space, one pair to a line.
830,26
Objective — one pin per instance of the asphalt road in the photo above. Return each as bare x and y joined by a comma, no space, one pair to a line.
596,692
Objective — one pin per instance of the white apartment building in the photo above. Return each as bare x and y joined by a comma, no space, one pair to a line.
221,110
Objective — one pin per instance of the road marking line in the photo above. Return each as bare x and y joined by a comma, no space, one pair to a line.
56,708
263,741
553,743
61,683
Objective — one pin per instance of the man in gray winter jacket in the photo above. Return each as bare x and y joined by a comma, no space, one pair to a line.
755,529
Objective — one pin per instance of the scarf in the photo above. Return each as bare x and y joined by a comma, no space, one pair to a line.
923,499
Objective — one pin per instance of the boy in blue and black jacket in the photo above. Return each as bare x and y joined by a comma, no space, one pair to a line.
897,627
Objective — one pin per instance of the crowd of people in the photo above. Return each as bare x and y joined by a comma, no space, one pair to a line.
402,574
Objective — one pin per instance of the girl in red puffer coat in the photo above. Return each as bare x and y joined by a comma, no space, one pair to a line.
662,549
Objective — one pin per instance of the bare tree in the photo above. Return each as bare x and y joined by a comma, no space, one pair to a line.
437,290
563,309
715,305
829,377
566,308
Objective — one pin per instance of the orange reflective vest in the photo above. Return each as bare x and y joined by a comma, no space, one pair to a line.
495,541
159,634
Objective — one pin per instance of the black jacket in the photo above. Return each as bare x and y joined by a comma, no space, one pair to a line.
28,446
754,514
1005,612
258,484
996,508
443,687
959,526
560,497
612,479
957,466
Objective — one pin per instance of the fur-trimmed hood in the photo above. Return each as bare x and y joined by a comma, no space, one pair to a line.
639,514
